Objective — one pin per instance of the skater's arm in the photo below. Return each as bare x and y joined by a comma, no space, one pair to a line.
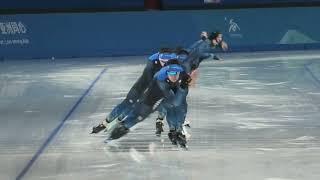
208,47
165,89
172,98
185,80
203,52
177,99
154,56
142,83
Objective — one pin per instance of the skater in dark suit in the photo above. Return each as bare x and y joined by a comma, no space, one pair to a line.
154,64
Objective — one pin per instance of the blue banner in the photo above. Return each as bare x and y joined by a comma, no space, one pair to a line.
137,33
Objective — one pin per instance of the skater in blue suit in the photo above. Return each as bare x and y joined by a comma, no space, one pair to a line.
167,87
190,59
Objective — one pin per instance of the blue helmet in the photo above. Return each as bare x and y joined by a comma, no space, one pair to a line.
169,70
174,69
164,57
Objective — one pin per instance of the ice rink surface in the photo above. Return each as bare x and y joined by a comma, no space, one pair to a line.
254,116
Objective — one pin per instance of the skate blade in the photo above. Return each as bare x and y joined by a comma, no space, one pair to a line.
107,141
158,134
185,132
174,143
185,148
112,143
188,136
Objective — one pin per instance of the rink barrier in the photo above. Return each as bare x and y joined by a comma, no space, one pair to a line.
70,4
72,35
175,4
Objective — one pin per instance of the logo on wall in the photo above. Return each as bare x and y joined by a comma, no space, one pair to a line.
11,33
233,28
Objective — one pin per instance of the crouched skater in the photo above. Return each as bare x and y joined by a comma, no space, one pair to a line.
167,87
154,64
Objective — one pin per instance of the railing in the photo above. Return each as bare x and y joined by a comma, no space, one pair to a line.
59,6
209,4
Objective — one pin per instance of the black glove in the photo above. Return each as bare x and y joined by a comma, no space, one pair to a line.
185,81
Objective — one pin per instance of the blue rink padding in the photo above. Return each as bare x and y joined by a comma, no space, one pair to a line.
274,47
74,4
167,4
30,36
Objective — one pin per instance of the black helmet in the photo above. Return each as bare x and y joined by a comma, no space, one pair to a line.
165,50
214,35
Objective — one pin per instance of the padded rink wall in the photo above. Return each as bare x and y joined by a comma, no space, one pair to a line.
137,33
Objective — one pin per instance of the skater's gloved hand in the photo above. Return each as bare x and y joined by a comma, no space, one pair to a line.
204,35
185,81
224,46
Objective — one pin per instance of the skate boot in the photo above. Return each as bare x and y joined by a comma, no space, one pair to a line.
173,136
216,58
118,131
185,132
181,140
159,126
100,127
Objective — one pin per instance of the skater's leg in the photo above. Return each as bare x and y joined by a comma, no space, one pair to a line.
179,119
186,121
124,107
171,118
162,112
172,123
159,121
118,112
181,137
138,114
